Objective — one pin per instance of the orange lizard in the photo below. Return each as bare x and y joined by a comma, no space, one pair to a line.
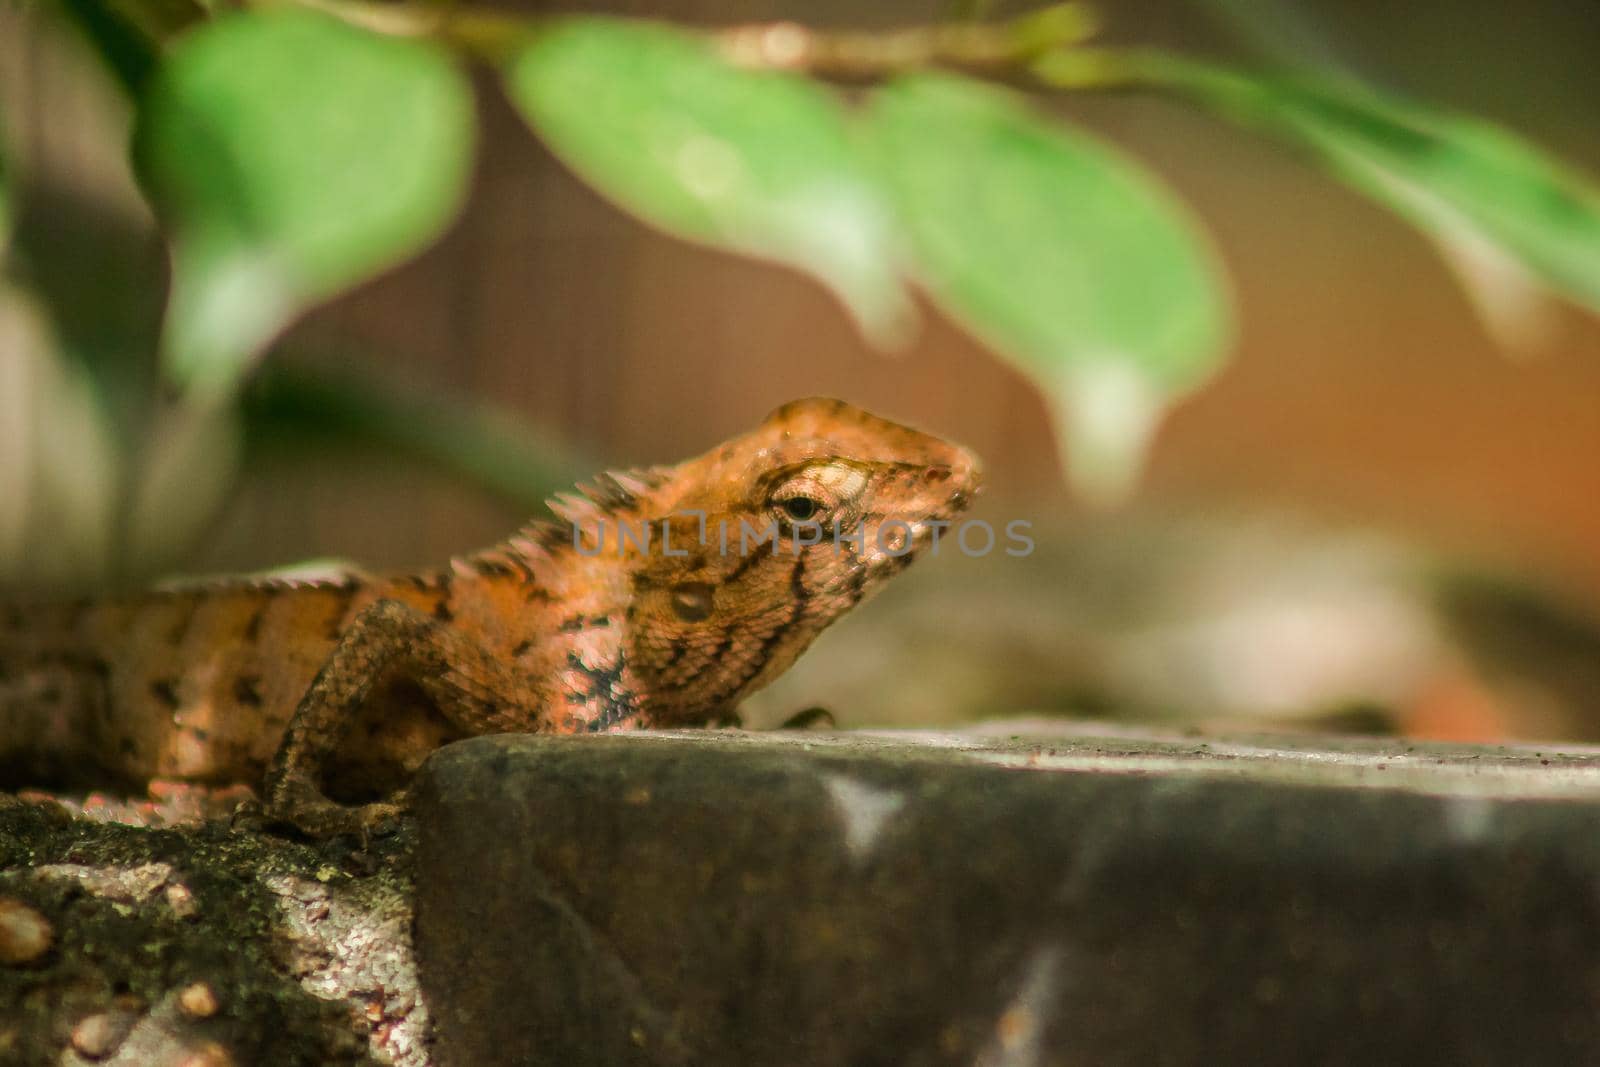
661,597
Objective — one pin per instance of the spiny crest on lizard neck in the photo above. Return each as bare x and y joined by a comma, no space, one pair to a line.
808,432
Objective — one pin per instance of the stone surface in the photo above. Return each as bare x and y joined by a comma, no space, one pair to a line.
726,898
199,944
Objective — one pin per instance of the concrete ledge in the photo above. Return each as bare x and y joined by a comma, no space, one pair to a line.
728,898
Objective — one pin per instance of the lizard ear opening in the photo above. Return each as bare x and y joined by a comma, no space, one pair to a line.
692,601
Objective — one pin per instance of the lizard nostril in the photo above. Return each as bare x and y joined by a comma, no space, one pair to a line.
934,475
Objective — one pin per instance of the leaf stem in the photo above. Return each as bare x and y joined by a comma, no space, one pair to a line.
869,55
488,35
849,55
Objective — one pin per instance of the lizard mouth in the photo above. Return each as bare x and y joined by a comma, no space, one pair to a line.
964,474
909,537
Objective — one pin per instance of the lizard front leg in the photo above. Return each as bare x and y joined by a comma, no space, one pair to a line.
387,642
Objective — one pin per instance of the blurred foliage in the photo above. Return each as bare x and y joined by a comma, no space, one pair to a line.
1486,198
290,156
58,468
1066,257
125,33
294,149
290,410
760,163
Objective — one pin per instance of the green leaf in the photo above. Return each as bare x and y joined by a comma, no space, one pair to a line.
59,470
758,163
290,409
292,156
101,279
1489,198
1066,257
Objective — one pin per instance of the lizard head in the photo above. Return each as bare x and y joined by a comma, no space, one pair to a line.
763,542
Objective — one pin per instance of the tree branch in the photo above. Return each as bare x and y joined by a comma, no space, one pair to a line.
1039,50
864,55
848,55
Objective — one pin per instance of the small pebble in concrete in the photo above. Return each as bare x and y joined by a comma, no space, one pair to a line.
181,901
198,1001
25,934
208,1054
97,1036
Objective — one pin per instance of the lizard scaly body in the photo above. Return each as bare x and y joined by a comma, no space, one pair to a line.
661,597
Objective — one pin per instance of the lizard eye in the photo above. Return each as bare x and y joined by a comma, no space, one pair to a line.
800,508
816,491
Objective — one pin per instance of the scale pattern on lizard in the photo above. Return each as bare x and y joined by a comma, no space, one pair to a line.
585,623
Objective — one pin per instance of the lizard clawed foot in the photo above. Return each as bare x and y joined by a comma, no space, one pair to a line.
380,819
810,718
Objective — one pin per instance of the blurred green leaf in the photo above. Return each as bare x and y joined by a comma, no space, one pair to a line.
291,408
1066,257
292,156
58,458
1477,189
1284,32
759,163
127,48
186,467
99,273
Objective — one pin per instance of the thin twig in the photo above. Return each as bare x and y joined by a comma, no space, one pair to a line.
488,35
864,55
870,55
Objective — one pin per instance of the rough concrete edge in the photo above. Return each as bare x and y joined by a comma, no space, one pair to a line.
1496,773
